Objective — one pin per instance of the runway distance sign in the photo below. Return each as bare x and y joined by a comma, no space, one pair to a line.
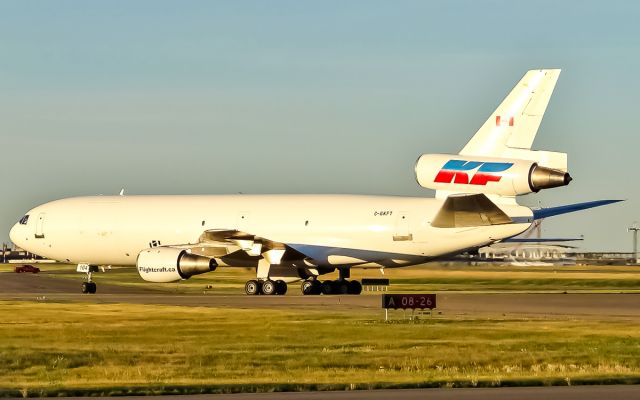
410,301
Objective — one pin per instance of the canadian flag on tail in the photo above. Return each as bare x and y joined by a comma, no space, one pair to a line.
503,122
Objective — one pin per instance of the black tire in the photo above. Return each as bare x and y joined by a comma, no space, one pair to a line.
92,287
269,287
355,287
306,287
317,287
341,287
252,287
311,288
85,287
281,287
327,287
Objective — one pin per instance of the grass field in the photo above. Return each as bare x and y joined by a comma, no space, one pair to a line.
428,277
103,347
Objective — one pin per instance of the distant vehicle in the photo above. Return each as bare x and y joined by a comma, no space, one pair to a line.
26,268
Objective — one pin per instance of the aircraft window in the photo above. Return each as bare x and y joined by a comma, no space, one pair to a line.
24,220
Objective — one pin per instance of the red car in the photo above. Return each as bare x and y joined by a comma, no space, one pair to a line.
27,268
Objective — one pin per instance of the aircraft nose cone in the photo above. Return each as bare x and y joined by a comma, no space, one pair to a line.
13,235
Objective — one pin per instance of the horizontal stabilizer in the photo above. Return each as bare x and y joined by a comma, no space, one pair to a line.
541,240
553,211
460,211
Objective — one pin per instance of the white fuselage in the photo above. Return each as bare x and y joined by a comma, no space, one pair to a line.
332,230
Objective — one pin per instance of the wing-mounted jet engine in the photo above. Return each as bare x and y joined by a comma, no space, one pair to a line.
170,264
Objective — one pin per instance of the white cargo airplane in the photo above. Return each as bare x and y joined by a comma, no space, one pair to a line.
288,238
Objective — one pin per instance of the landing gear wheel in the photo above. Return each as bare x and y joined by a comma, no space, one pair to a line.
281,287
88,287
317,287
269,287
341,287
310,288
327,287
355,287
252,287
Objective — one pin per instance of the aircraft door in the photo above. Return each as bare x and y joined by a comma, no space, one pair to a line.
40,226
402,230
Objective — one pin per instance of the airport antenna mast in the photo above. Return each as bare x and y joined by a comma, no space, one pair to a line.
634,228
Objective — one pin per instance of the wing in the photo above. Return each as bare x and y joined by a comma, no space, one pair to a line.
235,248
229,248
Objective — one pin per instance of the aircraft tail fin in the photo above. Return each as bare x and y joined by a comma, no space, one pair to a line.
511,129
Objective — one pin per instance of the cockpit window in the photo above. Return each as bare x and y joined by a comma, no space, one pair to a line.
24,220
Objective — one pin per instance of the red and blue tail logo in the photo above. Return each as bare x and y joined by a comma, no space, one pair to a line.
457,171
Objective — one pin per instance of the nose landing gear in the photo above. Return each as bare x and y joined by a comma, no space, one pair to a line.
88,287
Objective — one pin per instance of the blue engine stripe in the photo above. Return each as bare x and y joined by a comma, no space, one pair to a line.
461,165
495,167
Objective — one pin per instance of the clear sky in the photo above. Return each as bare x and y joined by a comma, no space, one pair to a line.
198,97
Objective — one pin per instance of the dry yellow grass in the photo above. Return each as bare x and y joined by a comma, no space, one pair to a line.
56,345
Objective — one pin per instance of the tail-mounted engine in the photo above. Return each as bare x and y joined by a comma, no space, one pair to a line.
500,176
169,264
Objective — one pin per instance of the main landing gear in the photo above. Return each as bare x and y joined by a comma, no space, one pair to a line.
266,287
340,286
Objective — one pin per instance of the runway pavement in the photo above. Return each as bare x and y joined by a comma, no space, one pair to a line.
459,304
43,283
